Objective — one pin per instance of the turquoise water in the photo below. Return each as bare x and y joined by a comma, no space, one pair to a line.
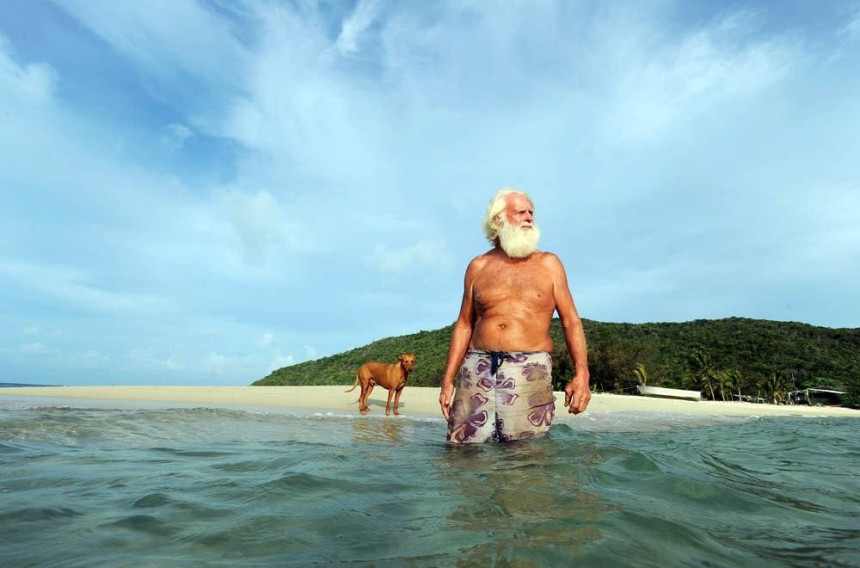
206,487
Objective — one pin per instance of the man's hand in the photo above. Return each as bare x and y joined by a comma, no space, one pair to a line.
445,397
577,393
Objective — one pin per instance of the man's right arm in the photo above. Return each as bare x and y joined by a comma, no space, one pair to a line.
461,335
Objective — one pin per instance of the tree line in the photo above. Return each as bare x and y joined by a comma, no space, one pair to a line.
724,359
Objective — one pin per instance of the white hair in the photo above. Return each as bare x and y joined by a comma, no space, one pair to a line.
497,205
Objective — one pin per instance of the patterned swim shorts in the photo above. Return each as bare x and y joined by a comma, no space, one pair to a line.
501,397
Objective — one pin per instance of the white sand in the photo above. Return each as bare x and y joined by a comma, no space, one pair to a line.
416,401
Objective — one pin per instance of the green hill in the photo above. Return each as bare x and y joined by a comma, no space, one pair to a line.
755,357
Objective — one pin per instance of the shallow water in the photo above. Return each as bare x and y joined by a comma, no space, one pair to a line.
207,487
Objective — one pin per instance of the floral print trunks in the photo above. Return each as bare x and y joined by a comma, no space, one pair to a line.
502,396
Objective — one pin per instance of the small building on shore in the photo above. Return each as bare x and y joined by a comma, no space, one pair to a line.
817,396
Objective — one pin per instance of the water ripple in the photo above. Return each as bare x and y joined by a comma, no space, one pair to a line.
229,488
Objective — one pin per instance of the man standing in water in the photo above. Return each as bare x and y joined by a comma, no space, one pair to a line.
500,350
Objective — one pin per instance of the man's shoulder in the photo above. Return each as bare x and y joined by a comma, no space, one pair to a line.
482,258
481,262
546,257
550,262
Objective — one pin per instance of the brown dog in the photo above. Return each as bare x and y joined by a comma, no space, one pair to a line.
392,377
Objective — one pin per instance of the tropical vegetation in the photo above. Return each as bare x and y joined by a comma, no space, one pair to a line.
726,359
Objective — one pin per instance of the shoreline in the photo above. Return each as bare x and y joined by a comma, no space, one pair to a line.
415,401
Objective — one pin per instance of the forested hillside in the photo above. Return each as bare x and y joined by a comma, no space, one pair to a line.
720,357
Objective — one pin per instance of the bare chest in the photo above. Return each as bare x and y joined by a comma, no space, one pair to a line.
506,288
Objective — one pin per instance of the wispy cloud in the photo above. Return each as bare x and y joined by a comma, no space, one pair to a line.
852,28
30,84
425,254
35,348
183,51
71,287
175,136
205,191
258,222
667,83
355,25
310,352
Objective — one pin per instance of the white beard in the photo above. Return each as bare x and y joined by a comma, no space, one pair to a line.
518,242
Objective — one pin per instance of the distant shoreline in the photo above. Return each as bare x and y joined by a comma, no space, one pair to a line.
416,401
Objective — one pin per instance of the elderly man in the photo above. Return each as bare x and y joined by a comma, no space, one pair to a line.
500,352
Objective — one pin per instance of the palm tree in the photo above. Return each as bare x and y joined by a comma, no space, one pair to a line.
703,369
772,387
641,374
734,379
723,382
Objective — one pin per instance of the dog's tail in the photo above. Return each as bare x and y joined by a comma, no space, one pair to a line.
353,386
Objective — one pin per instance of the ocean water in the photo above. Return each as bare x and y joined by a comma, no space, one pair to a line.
216,487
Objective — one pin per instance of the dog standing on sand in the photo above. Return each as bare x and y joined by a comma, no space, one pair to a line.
390,376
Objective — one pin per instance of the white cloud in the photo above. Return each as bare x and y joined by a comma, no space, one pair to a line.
32,84
310,353
428,253
71,286
852,29
352,139
217,363
31,329
305,114
172,363
670,83
175,135
258,221
281,360
33,348
352,28
147,359
245,366
90,359
172,43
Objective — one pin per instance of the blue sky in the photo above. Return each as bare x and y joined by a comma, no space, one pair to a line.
201,192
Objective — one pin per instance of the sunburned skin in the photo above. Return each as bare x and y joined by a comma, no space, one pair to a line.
513,303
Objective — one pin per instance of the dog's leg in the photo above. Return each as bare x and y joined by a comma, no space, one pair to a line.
368,390
362,395
388,404
397,399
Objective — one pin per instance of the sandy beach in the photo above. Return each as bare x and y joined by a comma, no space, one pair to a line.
415,401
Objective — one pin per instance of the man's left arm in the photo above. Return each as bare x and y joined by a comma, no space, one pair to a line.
577,394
